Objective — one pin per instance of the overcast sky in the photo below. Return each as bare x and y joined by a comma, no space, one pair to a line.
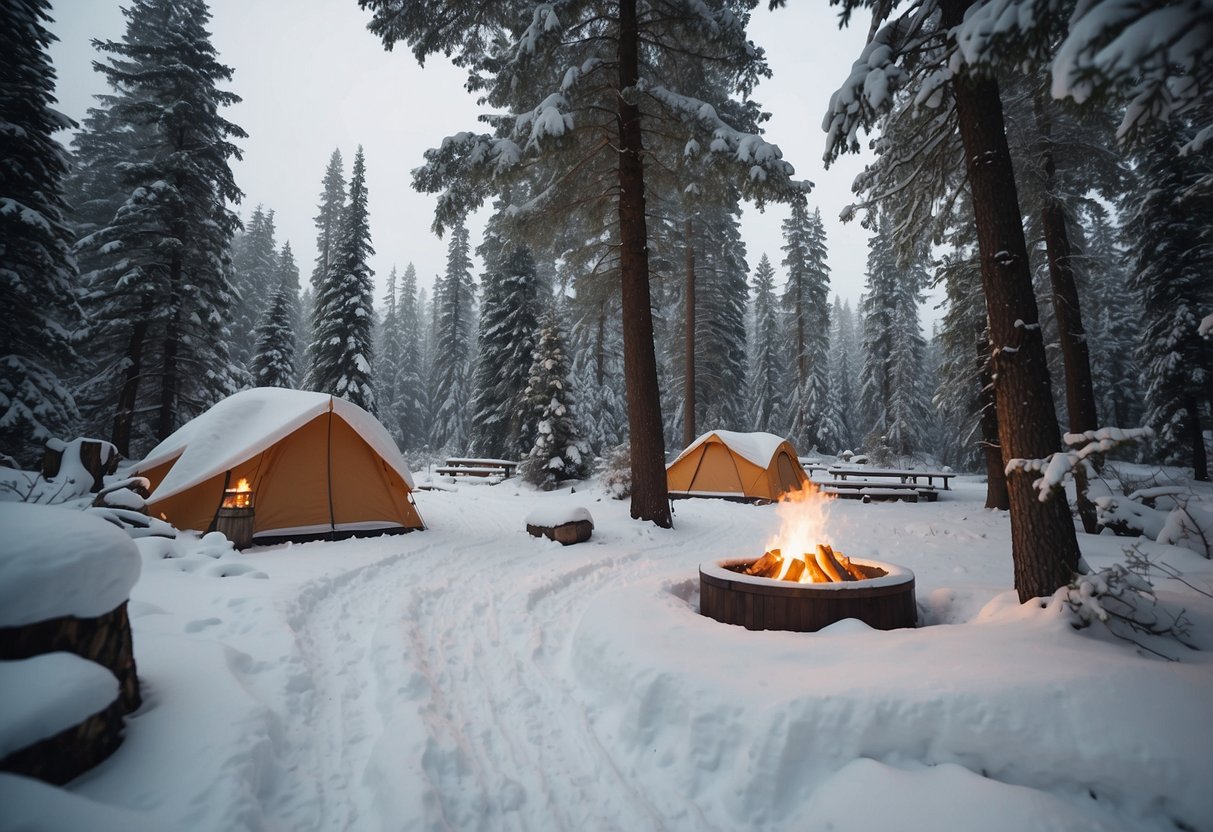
313,79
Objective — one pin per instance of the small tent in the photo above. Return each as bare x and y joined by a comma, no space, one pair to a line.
740,466
319,467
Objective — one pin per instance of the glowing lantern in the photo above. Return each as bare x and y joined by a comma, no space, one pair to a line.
239,497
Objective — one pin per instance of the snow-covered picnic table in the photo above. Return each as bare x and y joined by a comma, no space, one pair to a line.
457,466
904,475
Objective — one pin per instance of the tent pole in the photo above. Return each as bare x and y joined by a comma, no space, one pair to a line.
329,473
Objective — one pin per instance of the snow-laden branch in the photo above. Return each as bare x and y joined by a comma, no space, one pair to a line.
1054,468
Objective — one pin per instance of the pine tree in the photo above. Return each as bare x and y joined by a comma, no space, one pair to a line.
1173,248
767,372
273,362
411,404
451,379
286,273
806,299
255,265
916,53
37,270
388,342
328,220
160,298
558,453
844,360
508,328
343,321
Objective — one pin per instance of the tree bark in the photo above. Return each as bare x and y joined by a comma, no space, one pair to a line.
996,475
1044,546
1200,458
650,497
688,420
128,397
1076,358
169,382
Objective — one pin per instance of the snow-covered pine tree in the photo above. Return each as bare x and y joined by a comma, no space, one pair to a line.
951,50
328,218
806,302
845,361
546,72
273,362
767,371
1115,319
255,269
343,321
908,409
1172,262
286,273
501,425
451,382
37,270
159,300
388,343
558,454
411,403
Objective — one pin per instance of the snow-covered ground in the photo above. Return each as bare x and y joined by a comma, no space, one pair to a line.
473,677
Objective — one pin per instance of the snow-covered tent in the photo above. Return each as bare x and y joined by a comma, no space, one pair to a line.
319,466
739,466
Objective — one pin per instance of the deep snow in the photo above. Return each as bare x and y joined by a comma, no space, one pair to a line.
472,677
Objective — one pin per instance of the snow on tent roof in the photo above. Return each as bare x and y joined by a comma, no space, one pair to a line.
757,447
247,423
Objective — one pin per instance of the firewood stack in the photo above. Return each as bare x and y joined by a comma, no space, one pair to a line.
823,566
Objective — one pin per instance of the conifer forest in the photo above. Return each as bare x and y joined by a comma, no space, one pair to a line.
1036,190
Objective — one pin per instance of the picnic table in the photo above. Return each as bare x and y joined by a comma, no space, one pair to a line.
903,475
463,466
810,465
881,490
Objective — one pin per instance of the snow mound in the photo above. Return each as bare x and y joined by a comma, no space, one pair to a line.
552,516
47,694
31,804
247,423
57,562
757,447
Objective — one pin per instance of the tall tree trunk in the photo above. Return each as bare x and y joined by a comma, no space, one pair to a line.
128,397
1044,546
1200,458
1076,358
688,420
996,474
170,381
650,496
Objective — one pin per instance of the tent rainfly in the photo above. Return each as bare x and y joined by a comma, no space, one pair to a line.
320,467
751,467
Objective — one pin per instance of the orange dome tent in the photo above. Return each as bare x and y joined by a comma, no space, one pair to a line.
752,467
319,466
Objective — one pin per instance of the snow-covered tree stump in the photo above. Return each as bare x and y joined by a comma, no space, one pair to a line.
65,577
564,525
82,458
61,716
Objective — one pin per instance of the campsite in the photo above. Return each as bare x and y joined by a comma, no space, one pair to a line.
606,415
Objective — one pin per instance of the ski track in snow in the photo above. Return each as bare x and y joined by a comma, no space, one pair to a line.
435,658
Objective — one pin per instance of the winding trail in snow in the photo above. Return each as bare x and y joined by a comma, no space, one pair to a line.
472,718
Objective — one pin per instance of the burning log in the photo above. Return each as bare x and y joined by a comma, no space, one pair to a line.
795,570
830,565
815,574
767,566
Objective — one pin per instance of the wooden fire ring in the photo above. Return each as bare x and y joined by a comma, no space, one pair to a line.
883,603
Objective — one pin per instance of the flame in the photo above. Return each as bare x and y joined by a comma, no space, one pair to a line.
804,523
243,485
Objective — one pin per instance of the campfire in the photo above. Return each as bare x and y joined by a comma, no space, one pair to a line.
802,582
239,497
801,552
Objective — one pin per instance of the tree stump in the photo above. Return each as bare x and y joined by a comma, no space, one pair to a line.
105,640
566,534
92,456
68,754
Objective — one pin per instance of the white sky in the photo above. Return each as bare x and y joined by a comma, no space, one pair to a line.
312,79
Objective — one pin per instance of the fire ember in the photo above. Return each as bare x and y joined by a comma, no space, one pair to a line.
820,567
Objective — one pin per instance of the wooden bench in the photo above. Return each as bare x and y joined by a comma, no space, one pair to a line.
459,466
902,475
868,490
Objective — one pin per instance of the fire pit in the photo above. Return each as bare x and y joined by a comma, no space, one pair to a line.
810,588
